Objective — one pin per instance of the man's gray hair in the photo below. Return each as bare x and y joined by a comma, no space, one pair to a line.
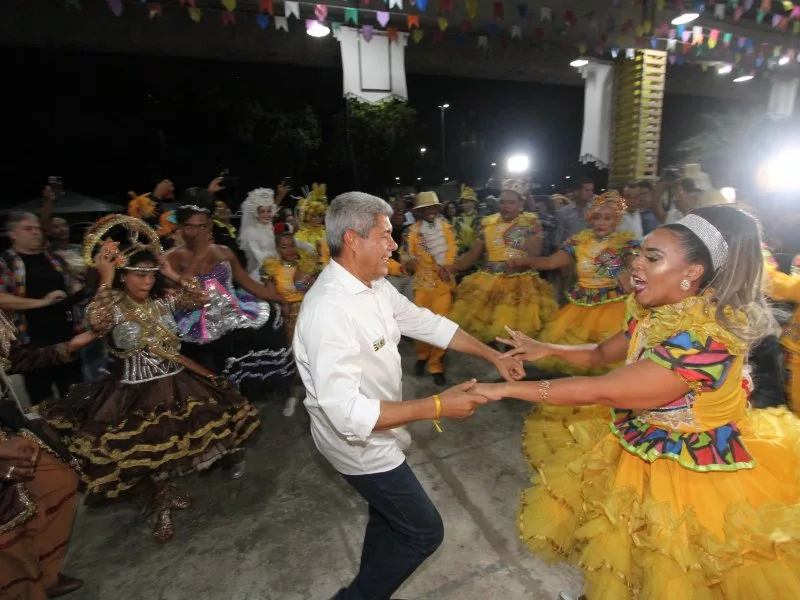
17,216
352,211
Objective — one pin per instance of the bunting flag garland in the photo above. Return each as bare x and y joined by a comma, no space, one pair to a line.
697,36
336,27
522,10
263,21
417,35
545,14
719,11
499,9
760,16
422,5
438,37
291,9
516,32
738,12
230,5
321,12
766,5
383,18
483,42
398,4
466,26
412,21
712,38
282,23
265,6
776,20
154,10
491,29
115,6
367,31
748,4
228,18
391,33
726,39
472,9
195,14
442,22
446,5
351,15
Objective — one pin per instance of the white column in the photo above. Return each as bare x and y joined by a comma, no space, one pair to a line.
782,96
373,71
597,114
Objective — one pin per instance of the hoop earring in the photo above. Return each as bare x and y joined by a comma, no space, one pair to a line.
685,285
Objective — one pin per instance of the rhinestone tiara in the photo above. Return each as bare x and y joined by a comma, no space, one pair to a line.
710,236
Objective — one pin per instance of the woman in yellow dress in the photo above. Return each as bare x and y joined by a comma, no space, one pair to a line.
691,495
595,310
312,228
499,294
786,288
292,273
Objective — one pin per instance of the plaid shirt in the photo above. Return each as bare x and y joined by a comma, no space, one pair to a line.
13,279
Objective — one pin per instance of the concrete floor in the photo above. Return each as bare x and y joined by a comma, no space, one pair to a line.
291,529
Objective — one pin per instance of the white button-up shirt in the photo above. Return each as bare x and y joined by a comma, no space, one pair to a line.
345,345
632,222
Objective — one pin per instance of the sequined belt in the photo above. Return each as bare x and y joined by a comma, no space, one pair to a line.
499,268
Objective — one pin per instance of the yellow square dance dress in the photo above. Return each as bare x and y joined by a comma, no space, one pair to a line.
488,300
695,500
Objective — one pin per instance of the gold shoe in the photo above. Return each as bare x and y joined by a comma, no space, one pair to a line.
164,530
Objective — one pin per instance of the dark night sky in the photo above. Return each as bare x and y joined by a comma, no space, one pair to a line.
83,116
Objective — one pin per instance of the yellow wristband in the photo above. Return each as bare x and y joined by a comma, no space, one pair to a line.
438,403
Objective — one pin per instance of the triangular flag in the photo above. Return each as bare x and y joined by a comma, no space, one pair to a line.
766,5
265,6
417,35
748,4
671,45
398,4
660,4
712,38
581,49
422,5
230,5
499,9
195,14
466,26
367,31
726,39
412,21
383,17
760,16
391,33
445,6
492,28
442,24
687,35
545,14
438,37
336,27
115,6
516,32
351,14
483,41
291,9
228,18
461,39
630,53
522,10
737,13
719,11
321,12
697,35
472,9
282,23
672,59
776,19
263,21
153,10
795,12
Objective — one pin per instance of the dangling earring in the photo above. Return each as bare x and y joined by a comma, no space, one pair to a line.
685,285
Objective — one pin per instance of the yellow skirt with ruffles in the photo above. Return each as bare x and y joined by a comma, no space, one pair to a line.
486,302
578,324
792,374
649,531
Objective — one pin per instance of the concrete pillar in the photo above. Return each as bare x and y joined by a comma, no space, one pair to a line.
375,70
782,96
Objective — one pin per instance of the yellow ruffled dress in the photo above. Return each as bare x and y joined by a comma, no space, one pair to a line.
786,288
697,500
282,274
595,310
315,236
488,300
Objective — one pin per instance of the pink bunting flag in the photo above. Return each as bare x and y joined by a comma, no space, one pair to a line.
776,20
795,14
228,18
686,36
115,6
383,18
367,31
321,12
738,12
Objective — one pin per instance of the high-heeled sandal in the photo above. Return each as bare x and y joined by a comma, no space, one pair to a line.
176,500
164,529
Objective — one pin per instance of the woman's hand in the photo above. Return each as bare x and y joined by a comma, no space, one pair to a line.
81,341
53,297
167,269
460,401
18,457
517,263
105,263
216,185
523,347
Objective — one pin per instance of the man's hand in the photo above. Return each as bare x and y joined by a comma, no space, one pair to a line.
459,402
509,367
81,341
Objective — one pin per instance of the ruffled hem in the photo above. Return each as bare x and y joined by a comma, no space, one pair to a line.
654,531
485,303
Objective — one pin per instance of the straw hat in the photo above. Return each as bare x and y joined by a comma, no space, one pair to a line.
426,199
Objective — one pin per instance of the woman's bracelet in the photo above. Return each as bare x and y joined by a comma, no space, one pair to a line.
438,402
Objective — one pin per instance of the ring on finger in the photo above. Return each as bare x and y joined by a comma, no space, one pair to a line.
10,472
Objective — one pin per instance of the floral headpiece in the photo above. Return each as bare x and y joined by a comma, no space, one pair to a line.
319,192
612,199
141,207
468,194
281,228
518,186
314,208
260,197
140,236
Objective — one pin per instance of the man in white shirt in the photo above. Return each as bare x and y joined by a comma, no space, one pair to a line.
345,345
632,220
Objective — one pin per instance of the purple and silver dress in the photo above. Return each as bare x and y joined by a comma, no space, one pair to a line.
237,336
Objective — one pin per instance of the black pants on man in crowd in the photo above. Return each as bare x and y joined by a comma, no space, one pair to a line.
404,529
